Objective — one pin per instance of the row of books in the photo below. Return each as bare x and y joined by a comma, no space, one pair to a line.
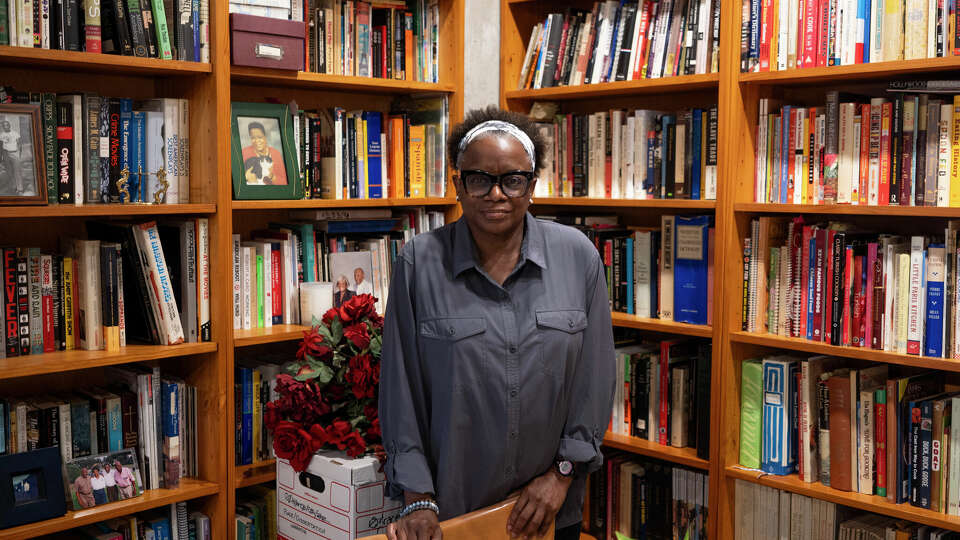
124,284
785,34
644,498
640,154
623,41
139,409
665,395
833,283
124,27
256,514
317,246
763,512
863,430
253,388
174,522
664,273
90,142
853,150
371,155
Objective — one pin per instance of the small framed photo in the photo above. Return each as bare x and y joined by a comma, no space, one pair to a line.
22,169
263,153
31,487
103,478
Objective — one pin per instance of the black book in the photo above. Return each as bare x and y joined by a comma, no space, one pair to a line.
10,321
549,69
149,28
569,54
640,395
103,131
626,44
118,15
135,23
406,155
701,396
115,147
65,157
896,142
579,182
836,288
668,162
183,29
109,43
68,18
616,270
920,135
690,52
592,46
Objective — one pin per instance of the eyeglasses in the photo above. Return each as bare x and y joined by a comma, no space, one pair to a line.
480,183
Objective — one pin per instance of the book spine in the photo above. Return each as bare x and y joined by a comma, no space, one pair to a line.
91,26
46,298
36,301
148,242
164,48
203,278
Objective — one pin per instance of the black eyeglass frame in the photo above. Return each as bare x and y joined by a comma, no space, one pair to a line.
496,180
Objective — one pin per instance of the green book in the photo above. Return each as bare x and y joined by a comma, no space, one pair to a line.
751,411
4,17
164,51
880,401
260,278
48,109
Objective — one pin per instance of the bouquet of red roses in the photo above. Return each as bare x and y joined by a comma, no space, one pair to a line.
328,398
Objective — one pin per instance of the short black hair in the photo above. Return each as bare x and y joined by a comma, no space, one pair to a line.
479,116
256,125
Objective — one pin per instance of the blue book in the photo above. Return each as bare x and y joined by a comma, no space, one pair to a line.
543,50
374,155
360,226
754,44
697,157
246,426
777,432
629,265
137,183
608,74
126,121
785,151
690,269
308,238
864,6
170,403
933,339
666,121
811,282
195,26
80,426
114,423
161,529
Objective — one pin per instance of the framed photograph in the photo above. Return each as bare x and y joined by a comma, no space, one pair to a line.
22,170
352,274
263,153
31,487
102,479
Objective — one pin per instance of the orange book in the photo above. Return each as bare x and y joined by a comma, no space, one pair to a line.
418,165
397,164
408,68
864,152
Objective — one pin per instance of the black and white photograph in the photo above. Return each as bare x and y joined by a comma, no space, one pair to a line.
262,151
22,175
352,274
104,478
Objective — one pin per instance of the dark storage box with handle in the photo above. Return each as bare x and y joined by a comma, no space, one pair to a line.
266,42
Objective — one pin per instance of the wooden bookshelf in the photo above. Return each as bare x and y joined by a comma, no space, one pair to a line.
274,334
682,456
680,205
63,361
624,320
307,204
105,210
99,63
680,83
152,498
872,71
338,83
256,473
847,210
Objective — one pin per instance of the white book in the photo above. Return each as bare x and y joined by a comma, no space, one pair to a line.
846,158
953,483
265,249
12,24
184,140
783,33
528,57
616,120
850,32
944,160
663,22
87,253
635,41
760,182
893,12
642,272
931,28
705,19
25,24
44,24
865,451
291,298
667,224
630,151
917,303
188,280
855,173
876,30
203,278
246,270
148,242
915,29
154,151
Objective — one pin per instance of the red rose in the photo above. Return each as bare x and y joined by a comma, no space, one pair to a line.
358,335
329,316
371,412
376,321
292,443
319,435
354,444
361,376
358,308
313,345
373,432
272,416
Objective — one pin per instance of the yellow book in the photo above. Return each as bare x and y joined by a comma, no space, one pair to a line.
362,179
418,156
802,184
774,35
955,154
257,416
903,302
70,342
892,30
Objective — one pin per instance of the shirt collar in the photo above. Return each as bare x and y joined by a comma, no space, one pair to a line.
532,248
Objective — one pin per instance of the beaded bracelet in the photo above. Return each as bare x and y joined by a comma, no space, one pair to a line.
419,505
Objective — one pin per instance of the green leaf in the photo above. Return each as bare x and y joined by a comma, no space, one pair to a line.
357,420
323,372
336,331
376,346
292,368
325,333
316,322
304,377
339,360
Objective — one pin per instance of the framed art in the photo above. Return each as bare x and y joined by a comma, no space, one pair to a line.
263,153
22,169
103,478
31,487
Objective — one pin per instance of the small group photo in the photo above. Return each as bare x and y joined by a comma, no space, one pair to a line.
352,275
103,478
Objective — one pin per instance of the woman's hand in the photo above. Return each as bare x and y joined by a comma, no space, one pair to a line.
419,525
538,505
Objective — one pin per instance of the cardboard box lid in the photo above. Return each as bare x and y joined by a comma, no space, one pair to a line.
267,25
351,471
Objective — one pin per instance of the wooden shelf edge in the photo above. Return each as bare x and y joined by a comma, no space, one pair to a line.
816,347
93,62
876,70
679,83
682,456
847,209
870,503
256,473
274,334
373,85
306,204
93,210
64,361
680,204
189,489
656,325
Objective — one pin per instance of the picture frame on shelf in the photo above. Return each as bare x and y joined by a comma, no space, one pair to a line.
31,487
89,486
22,169
263,154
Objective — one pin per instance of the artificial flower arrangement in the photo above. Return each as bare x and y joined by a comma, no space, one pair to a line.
328,397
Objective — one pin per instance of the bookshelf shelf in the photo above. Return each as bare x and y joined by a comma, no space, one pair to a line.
305,204
340,83
683,456
190,488
678,204
875,71
95,210
58,362
870,503
624,320
274,334
682,83
256,473
98,63
816,347
847,210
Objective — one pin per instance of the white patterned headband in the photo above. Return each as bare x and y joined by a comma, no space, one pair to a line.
501,127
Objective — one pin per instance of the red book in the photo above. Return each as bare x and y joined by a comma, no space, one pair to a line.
766,29
791,153
276,269
820,262
886,118
859,328
869,293
828,303
847,296
841,417
864,152
808,234
644,22
12,326
663,435
809,28
46,303
880,452
823,31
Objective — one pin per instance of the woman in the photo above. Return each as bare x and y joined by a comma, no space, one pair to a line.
498,363
342,292
99,486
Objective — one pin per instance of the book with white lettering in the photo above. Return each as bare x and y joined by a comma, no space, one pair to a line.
666,267
159,284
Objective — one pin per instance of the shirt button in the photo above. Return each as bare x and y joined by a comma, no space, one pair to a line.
513,434
513,393
509,469
570,323
513,350
451,330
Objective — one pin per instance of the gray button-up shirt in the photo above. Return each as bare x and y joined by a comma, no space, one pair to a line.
483,387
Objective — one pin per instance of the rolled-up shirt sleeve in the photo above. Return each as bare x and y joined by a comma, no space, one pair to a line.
593,380
403,403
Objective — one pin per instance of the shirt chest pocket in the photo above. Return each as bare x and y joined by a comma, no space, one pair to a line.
560,334
454,346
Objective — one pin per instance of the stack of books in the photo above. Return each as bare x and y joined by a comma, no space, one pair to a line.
254,387
640,154
623,41
155,29
643,498
173,521
256,516
785,34
833,283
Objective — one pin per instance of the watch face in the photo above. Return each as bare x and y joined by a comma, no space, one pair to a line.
565,468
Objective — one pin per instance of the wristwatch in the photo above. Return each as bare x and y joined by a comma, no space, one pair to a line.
564,468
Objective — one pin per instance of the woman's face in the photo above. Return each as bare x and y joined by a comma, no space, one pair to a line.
495,214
